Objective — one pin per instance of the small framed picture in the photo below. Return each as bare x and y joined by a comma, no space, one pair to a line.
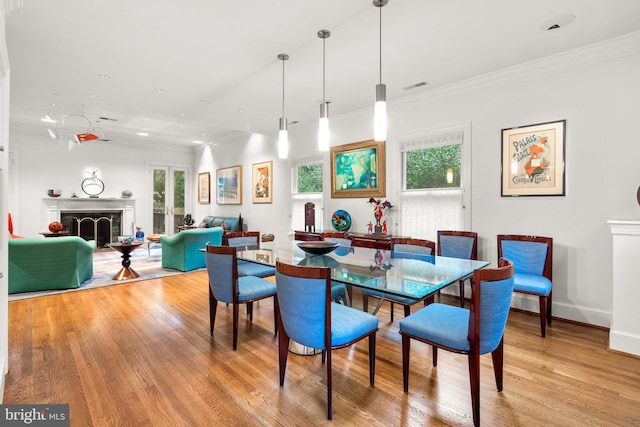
229,186
204,188
262,190
533,160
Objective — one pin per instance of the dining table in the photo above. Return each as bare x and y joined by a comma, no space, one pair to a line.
411,275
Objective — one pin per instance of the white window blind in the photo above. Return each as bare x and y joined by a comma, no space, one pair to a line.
298,200
424,212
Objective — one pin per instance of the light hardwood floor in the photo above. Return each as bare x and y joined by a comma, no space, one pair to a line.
140,354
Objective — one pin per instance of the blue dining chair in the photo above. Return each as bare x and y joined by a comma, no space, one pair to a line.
406,245
458,244
474,331
307,316
225,286
248,240
533,260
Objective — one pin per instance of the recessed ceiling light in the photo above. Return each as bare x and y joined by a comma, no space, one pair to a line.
557,22
142,133
92,95
104,76
197,142
205,134
204,101
160,90
48,119
181,114
241,110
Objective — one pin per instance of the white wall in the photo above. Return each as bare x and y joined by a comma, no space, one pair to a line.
42,163
596,90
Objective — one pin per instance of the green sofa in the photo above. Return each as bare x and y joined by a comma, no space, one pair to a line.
182,251
38,264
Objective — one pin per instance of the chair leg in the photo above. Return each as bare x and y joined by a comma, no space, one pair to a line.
213,306
462,293
365,302
474,379
549,298
434,355
250,310
329,386
392,312
372,358
498,363
283,352
407,310
236,309
543,315
406,347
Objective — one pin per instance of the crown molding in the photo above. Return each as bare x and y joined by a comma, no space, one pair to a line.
606,50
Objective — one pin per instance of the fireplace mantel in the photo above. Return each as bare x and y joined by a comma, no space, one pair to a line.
85,204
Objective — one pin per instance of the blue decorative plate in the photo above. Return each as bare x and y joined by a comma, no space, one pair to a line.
341,220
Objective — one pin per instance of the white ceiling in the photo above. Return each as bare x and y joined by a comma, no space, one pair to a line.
225,53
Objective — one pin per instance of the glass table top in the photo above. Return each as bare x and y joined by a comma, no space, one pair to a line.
398,273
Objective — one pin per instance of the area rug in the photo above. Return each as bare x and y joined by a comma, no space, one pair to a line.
146,262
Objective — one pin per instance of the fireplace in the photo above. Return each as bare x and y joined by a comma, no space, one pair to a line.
102,226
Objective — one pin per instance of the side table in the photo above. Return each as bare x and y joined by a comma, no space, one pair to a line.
126,272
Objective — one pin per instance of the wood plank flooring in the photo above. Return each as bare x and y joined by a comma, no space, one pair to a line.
140,354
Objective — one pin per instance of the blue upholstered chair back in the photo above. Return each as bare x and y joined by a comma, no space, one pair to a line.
414,249
456,246
220,269
495,301
303,309
527,257
250,242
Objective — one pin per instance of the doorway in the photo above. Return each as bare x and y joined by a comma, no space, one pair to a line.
169,198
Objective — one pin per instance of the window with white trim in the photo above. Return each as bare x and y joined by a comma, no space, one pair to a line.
306,185
435,180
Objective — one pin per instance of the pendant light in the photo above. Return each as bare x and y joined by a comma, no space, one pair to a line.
380,108
323,124
283,138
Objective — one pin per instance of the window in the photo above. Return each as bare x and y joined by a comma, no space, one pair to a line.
434,184
307,187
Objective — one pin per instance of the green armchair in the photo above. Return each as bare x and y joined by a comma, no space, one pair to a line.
182,251
37,264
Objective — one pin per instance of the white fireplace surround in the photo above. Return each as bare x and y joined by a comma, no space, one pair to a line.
84,204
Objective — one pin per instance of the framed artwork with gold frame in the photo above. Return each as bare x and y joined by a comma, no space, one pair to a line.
229,186
358,170
262,180
204,189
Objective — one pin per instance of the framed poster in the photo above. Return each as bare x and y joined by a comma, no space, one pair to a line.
204,192
358,170
262,189
229,186
533,160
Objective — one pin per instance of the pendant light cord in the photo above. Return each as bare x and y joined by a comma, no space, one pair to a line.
380,44
323,69
283,87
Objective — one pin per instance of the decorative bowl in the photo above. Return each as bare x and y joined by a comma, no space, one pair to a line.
341,220
55,227
318,248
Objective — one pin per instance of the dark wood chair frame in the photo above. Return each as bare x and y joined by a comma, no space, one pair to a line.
213,302
390,298
545,300
474,253
283,339
504,271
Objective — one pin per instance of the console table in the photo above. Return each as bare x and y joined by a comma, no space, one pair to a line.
362,240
